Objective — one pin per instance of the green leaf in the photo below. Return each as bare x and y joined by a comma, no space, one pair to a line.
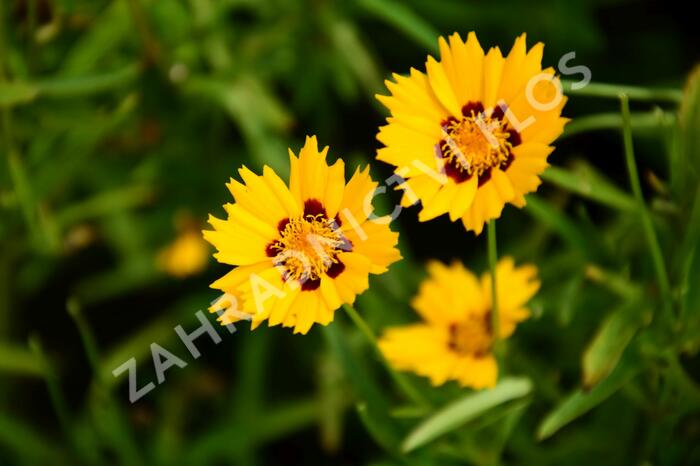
559,222
689,122
639,121
691,290
76,86
362,382
106,33
381,431
587,182
610,341
356,56
581,401
465,409
613,91
22,439
402,18
13,93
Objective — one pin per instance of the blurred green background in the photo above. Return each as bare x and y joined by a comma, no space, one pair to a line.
123,119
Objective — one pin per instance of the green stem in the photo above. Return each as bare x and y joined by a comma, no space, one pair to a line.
86,335
493,260
613,91
649,232
55,394
409,390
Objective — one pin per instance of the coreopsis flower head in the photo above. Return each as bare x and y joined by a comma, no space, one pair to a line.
301,250
455,339
472,133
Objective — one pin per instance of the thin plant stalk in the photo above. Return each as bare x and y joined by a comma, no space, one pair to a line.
647,225
493,261
409,390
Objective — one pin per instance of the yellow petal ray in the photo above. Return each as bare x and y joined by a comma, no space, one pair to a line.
235,246
239,217
282,306
312,171
247,199
440,203
422,187
236,277
503,185
377,245
354,279
359,189
332,299
464,197
307,306
442,88
335,188
414,95
264,195
493,73
284,196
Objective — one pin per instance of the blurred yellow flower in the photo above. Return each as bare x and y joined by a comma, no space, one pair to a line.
472,133
455,341
186,255
301,251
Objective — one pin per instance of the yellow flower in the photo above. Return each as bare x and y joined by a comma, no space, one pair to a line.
455,341
186,255
304,250
474,132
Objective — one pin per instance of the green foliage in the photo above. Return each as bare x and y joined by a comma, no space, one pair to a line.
120,123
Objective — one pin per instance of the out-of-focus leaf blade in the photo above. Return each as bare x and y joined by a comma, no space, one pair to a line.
580,401
585,181
14,93
613,336
686,168
399,15
465,409
21,439
559,222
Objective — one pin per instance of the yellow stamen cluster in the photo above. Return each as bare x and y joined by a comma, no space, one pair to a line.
308,246
476,143
473,337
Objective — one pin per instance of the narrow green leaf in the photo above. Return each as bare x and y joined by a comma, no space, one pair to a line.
465,409
22,439
106,33
614,282
610,341
580,401
691,290
226,439
14,93
613,91
559,222
357,58
363,384
104,203
381,431
399,15
76,86
689,122
601,121
160,331
587,182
